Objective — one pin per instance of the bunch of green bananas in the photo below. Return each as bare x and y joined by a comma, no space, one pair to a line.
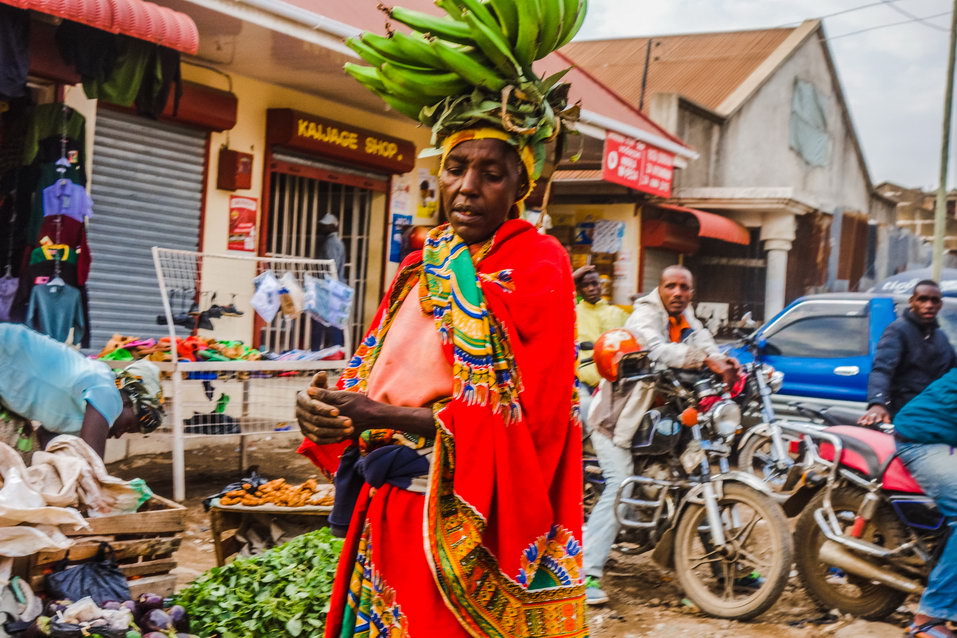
474,66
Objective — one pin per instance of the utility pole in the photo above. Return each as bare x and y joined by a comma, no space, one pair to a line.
644,74
940,211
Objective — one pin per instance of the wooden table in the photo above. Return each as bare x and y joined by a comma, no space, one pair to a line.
223,520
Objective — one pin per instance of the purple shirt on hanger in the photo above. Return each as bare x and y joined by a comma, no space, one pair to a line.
67,198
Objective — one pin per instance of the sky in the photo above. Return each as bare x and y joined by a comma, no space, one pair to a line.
893,77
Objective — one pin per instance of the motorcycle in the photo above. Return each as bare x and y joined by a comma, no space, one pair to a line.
867,536
717,528
764,449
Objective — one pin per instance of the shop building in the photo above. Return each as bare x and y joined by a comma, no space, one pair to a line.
778,154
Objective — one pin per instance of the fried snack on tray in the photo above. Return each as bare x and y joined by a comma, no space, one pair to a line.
280,493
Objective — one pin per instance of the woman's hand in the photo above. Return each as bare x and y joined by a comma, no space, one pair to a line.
319,419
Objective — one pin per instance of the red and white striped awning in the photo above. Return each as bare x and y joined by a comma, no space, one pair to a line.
135,18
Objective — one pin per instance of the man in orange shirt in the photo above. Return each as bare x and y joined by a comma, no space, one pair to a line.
664,324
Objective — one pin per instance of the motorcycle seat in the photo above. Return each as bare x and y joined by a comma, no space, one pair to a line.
841,416
871,453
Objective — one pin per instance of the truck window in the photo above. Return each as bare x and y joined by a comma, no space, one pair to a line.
821,337
817,308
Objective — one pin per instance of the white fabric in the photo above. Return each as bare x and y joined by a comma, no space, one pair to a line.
96,490
36,502
649,324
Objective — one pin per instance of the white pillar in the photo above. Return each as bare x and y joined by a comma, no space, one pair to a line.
776,276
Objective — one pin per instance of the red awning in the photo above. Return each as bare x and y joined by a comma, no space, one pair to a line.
714,226
135,18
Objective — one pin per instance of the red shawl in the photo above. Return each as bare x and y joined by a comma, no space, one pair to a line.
504,505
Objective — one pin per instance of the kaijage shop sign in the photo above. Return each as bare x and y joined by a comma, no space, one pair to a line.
637,165
338,140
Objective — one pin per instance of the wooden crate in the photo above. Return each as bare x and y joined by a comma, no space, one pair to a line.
144,543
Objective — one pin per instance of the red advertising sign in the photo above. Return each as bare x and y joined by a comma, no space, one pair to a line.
242,223
637,165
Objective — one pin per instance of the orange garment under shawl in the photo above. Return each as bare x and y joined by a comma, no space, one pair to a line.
411,370
676,326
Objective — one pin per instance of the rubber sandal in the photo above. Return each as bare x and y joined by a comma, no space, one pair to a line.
929,630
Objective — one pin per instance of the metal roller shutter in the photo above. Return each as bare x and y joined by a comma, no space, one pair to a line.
656,260
147,189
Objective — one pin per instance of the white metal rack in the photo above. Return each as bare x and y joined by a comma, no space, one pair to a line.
260,394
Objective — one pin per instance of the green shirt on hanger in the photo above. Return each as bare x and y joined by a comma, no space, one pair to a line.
124,82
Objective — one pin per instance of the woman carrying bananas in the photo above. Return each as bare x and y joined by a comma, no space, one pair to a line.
460,484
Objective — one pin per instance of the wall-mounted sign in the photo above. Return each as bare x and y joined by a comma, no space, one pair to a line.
242,223
637,165
304,132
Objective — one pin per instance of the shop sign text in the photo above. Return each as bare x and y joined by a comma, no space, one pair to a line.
338,140
637,165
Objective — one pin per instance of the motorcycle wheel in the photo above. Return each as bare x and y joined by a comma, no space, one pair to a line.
831,588
756,457
757,530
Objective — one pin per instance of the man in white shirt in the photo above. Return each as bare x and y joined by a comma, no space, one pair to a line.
665,326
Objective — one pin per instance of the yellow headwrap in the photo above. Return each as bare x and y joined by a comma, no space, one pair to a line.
525,153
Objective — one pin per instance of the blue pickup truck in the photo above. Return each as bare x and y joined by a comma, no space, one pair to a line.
824,344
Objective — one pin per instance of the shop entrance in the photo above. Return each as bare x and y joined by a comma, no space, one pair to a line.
301,193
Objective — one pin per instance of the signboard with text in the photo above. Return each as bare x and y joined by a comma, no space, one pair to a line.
242,223
637,165
339,140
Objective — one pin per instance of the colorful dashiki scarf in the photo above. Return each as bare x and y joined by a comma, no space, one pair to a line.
483,366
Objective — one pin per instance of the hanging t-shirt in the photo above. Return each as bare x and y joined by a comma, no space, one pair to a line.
14,51
52,383
49,120
67,198
92,52
55,310
123,83
72,233
8,291
48,175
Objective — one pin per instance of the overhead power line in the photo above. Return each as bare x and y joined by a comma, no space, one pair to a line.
841,12
890,24
908,14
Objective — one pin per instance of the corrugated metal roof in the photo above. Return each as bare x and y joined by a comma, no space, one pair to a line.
703,67
594,95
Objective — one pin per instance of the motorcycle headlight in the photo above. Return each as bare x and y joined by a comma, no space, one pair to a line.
774,378
726,417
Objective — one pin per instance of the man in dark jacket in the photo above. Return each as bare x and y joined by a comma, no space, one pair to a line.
913,353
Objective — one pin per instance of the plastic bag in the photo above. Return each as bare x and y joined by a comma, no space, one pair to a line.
265,301
328,301
99,578
290,296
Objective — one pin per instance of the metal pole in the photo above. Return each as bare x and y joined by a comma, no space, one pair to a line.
940,211
644,75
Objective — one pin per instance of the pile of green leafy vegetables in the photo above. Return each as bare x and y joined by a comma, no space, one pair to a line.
282,592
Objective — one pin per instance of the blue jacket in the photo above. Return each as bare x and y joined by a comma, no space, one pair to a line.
909,357
931,416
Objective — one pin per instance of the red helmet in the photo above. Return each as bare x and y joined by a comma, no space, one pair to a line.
610,348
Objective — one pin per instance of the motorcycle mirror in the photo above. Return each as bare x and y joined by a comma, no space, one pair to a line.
586,345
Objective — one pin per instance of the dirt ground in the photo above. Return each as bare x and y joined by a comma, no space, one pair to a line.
646,600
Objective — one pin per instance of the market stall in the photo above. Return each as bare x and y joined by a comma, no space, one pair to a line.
218,380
